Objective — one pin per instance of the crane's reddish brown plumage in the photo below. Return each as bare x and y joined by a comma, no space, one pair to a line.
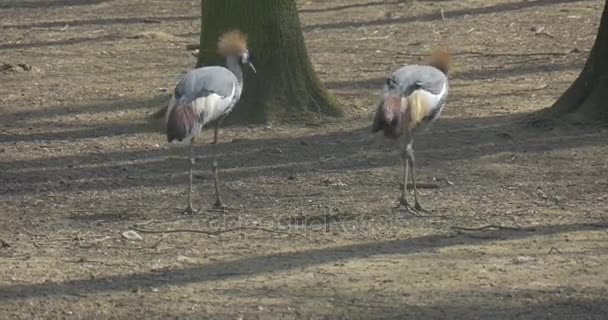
388,118
181,121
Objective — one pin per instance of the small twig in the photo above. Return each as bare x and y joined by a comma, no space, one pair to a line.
371,38
214,233
490,226
553,249
302,195
422,185
31,234
4,244
318,107
102,239
193,46
326,159
145,223
150,20
442,14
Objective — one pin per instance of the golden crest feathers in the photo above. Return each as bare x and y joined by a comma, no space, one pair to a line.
440,59
232,43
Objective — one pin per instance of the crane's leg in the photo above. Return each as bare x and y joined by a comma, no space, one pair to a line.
218,200
410,157
403,204
190,209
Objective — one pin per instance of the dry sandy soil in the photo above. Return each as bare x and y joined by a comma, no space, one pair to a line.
81,164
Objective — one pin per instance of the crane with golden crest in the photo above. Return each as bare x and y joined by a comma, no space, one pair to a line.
413,97
205,96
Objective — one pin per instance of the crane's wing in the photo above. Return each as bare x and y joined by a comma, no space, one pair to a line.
202,82
424,77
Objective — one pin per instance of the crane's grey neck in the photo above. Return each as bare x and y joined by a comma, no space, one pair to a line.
233,64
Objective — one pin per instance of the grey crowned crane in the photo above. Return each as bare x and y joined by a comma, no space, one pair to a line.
413,97
204,97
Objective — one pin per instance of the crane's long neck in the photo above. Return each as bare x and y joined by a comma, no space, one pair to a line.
233,64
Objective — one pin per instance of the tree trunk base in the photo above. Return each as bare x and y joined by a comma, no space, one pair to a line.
586,101
285,87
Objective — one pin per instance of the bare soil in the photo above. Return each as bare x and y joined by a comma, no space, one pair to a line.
81,164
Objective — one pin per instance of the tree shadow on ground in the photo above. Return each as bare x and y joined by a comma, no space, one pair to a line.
347,6
71,41
499,8
102,21
23,4
481,74
92,131
494,303
272,263
450,139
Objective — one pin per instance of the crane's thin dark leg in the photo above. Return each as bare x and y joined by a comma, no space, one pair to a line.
403,204
410,157
218,200
190,209
403,198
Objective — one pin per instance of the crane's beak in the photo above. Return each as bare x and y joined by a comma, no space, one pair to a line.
252,67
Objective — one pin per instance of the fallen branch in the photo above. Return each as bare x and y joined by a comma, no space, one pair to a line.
491,226
214,233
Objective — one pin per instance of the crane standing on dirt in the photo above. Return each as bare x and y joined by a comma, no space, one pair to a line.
205,96
413,97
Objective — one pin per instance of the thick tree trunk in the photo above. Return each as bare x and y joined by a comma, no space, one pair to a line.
587,98
285,87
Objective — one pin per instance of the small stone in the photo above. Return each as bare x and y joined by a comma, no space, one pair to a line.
131,235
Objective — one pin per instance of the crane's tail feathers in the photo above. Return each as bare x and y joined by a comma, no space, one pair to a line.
182,122
441,59
232,43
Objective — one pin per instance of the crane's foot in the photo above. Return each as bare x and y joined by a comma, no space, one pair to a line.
189,210
220,206
416,211
405,208
419,208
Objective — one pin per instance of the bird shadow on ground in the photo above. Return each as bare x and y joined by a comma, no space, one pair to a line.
255,265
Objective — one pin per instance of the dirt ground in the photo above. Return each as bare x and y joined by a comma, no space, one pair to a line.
81,164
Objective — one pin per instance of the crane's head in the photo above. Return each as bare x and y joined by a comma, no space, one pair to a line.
392,98
234,44
389,116
247,59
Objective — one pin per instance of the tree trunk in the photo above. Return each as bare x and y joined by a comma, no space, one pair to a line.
587,98
285,87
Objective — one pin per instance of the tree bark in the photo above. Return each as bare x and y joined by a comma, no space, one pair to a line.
587,98
285,87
